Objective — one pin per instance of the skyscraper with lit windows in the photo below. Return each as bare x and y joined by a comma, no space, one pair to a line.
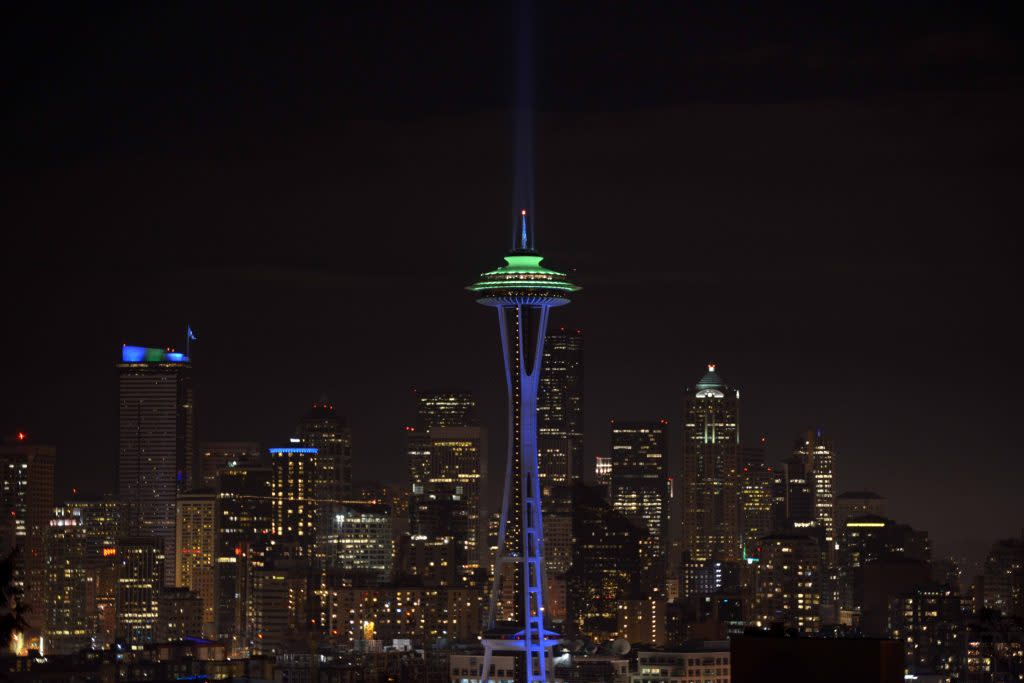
789,583
756,500
560,408
26,508
243,537
639,486
446,467
103,523
197,516
606,562
358,540
68,627
156,440
140,572
816,452
293,532
326,431
711,470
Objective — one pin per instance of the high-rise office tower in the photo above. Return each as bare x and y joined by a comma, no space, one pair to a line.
323,429
446,467
271,612
755,497
789,588
871,541
638,481
102,522
140,575
444,409
606,562
156,448
792,495
818,456
197,517
358,541
711,470
26,507
560,408
294,507
68,627
214,456
929,621
1004,577
244,525
523,292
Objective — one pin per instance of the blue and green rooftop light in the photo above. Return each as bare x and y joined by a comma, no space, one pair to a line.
146,354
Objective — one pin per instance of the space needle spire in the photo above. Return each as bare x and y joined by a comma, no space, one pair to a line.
523,240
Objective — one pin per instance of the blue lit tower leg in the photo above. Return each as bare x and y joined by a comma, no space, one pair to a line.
523,292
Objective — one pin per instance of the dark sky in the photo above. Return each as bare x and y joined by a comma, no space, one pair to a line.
824,200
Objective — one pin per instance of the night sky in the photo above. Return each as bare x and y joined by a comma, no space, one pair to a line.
824,201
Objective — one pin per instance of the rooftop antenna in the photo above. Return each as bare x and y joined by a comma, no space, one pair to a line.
190,337
524,242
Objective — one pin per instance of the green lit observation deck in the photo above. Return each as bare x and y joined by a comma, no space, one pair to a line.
522,280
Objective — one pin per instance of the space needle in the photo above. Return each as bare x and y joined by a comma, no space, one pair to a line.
523,292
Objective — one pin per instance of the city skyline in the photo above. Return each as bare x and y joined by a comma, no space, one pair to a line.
256,427
779,448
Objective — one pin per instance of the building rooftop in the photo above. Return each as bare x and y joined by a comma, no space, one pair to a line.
711,380
147,354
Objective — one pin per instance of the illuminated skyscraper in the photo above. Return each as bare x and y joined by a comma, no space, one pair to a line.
639,486
323,429
789,589
243,538
523,292
102,522
26,507
711,481
792,495
446,467
560,408
156,449
606,563
194,565
358,540
818,457
294,508
755,497
140,574
68,627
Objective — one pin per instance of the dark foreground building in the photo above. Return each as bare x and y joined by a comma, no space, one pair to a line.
756,659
